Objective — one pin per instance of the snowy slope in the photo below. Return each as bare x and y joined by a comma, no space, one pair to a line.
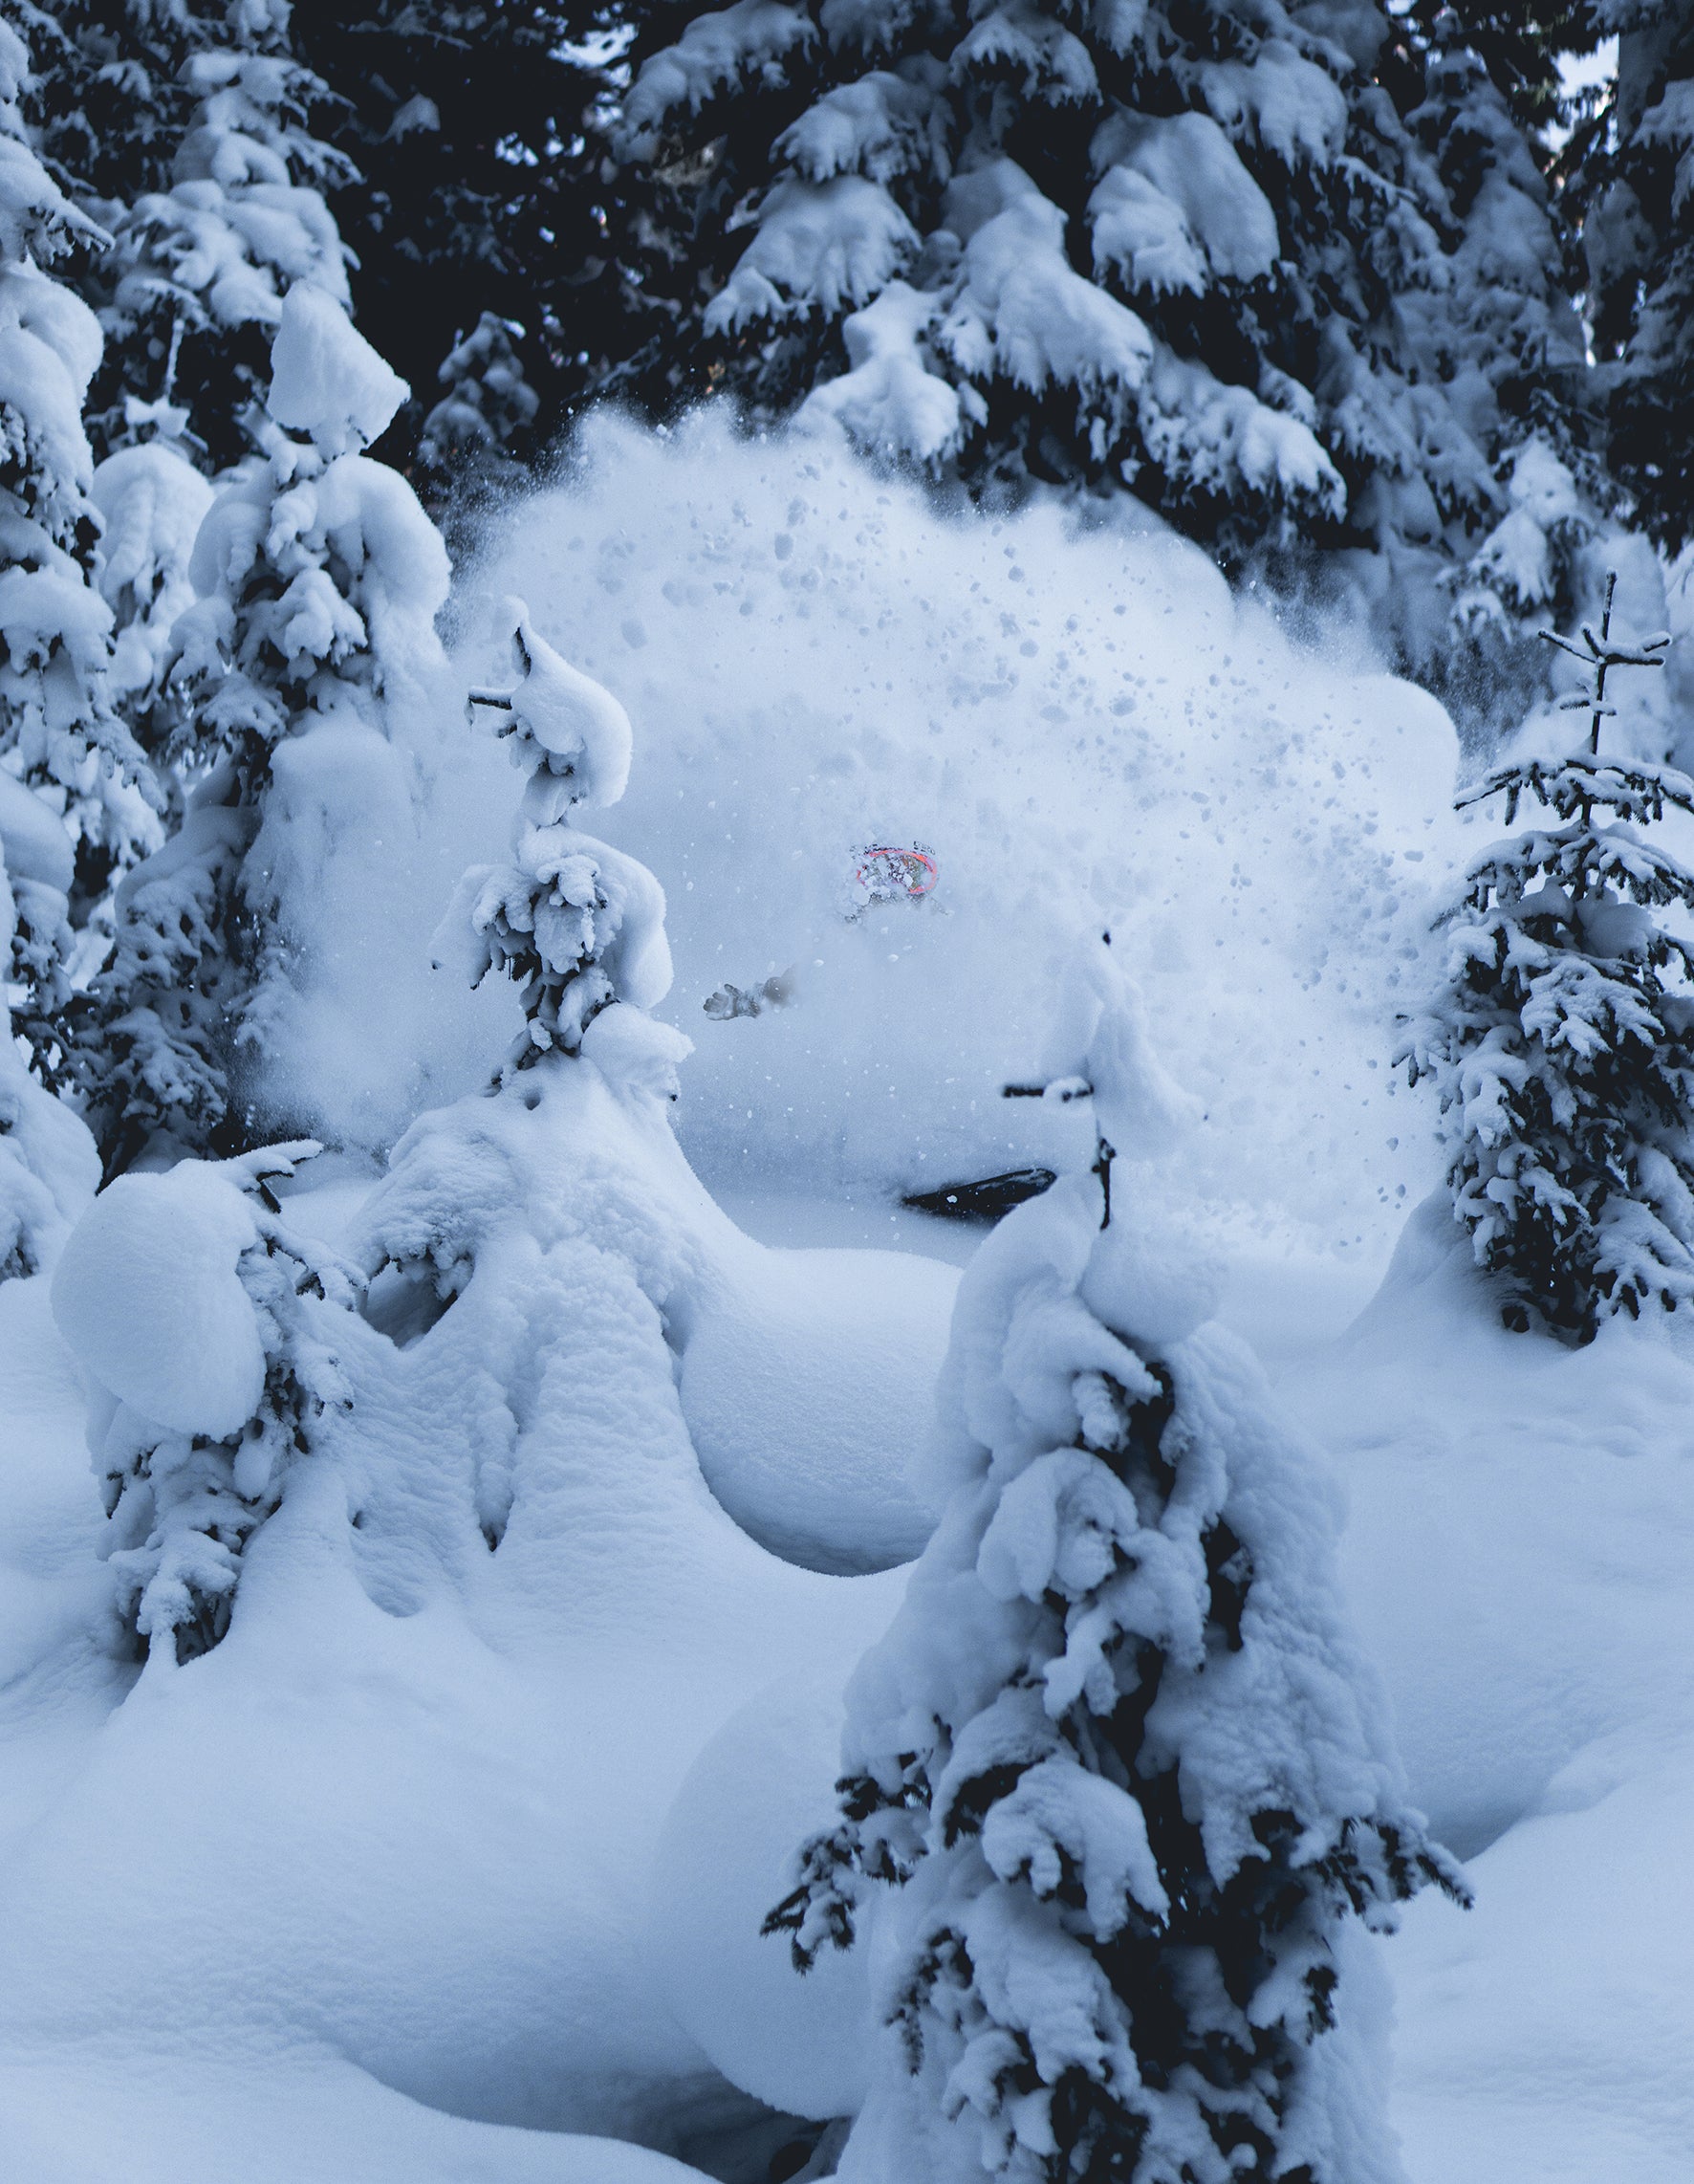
1519,1555
405,1821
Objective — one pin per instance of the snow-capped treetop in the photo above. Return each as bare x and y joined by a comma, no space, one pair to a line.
1099,1040
326,379
568,730
319,576
201,269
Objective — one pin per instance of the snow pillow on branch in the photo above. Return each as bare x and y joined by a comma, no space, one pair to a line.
208,1331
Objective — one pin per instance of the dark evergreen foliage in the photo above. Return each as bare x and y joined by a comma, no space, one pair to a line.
477,191
1639,241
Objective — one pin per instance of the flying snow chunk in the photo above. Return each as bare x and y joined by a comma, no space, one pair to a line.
326,379
148,1295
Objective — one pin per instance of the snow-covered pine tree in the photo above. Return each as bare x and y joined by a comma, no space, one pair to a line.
1200,253
573,922
510,1188
319,577
210,1328
1640,242
191,296
58,732
1118,1779
1561,1043
475,439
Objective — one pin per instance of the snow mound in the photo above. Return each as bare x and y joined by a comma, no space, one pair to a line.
148,1295
1517,1558
307,2119
808,1383
1522,1522
761,1787
1542,2049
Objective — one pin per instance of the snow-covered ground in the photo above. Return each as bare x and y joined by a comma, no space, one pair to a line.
446,1864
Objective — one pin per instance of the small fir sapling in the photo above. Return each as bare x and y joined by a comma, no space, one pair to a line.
318,578
475,438
207,1330
1561,1044
577,924
1118,1780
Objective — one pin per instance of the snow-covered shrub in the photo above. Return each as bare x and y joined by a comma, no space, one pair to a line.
1286,274
1561,1046
318,577
577,924
207,1329
1118,1779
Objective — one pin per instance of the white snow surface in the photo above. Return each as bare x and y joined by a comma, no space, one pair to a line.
761,1785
